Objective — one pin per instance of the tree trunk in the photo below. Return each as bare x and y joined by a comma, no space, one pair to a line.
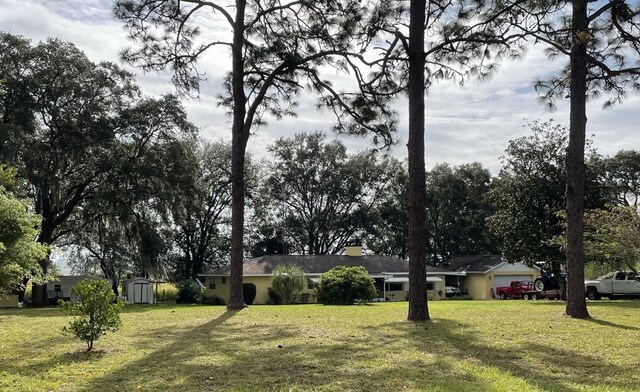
114,286
418,307
22,290
576,303
238,147
39,295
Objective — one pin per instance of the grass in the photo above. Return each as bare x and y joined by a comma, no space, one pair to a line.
469,346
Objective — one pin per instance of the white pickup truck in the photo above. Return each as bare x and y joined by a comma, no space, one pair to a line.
614,284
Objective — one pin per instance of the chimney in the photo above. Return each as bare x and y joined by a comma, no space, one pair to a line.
353,250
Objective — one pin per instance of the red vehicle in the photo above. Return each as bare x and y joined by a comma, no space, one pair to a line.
515,290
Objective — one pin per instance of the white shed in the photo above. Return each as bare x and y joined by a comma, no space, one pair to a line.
138,291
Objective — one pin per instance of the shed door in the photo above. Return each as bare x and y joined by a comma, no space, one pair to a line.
140,293
505,280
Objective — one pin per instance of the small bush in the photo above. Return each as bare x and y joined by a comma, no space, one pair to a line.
97,308
344,286
249,292
189,292
288,282
304,298
274,298
168,294
462,297
211,300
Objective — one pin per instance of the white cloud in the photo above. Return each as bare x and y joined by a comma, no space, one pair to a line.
464,124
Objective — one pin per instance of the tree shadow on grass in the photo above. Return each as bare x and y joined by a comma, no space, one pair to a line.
44,360
605,303
248,353
614,325
139,308
630,305
617,303
223,355
52,311
538,361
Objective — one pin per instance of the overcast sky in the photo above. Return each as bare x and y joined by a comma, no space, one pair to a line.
464,124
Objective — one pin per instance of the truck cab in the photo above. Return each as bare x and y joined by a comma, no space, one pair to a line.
619,283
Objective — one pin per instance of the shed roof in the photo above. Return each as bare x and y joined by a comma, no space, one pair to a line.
136,279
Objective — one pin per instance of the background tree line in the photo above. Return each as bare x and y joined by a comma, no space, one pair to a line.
277,47
109,171
123,185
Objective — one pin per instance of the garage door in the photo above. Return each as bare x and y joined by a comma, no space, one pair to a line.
505,280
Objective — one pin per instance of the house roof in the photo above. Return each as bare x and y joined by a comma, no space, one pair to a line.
136,279
475,263
318,264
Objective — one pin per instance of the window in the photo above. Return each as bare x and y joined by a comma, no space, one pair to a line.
212,284
394,286
58,287
310,284
224,280
430,286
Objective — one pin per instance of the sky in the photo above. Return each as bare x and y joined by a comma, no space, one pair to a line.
464,124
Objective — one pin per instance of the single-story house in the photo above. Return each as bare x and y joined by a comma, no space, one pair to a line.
391,275
138,291
484,273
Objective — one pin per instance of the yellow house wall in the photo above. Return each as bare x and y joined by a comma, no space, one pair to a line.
222,289
262,284
262,288
476,285
8,301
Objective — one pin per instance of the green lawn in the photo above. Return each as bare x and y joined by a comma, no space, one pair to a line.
470,346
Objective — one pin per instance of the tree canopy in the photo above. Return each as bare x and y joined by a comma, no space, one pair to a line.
320,196
82,134
19,251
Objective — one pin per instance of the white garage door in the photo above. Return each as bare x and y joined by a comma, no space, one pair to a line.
505,280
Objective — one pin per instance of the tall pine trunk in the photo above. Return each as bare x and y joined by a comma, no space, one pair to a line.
418,307
238,147
576,303
39,295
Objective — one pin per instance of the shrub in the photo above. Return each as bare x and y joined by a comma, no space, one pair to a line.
211,300
249,293
344,286
288,282
304,298
97,308
189,292
168,293
274,298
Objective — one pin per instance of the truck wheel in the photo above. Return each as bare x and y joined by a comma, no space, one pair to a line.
534,296
525,296
502,295
592,294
